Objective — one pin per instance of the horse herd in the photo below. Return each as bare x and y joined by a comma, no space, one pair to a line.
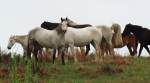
69,34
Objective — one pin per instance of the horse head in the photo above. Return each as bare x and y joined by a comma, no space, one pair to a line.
64,24
11,42
127,30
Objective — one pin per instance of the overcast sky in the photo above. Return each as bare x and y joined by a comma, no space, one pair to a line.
17,17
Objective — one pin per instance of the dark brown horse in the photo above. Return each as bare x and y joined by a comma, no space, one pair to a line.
141,34
129,41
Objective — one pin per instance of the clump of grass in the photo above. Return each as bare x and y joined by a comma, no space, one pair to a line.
13,71
111,69
28,72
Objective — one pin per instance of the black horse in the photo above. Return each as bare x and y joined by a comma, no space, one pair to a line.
142,36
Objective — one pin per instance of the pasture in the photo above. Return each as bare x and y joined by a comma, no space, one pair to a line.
113,70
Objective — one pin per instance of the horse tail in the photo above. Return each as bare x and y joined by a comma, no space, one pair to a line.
29,49
117,36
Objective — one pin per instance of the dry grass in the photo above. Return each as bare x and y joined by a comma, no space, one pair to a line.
114,69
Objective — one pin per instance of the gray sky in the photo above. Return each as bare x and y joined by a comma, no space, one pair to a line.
19,16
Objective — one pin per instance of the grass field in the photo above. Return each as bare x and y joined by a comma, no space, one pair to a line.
112,70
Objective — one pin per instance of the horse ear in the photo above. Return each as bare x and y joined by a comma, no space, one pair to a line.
61,19
66,18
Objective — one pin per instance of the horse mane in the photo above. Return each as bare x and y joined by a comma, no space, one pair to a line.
80,26
49,25
133,25
76,25
117,36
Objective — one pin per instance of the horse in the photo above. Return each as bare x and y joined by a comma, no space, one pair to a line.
51,26
49,38
82,37
22,39
107,34
128,41
141,35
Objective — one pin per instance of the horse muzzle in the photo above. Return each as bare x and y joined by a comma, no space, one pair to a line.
8,47
64,31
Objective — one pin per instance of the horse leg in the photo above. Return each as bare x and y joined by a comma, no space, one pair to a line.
29,49
110,48
136,45
140,50
82,50
25,53
35,53
54,53
87,49
98,56
41,54
146,47
130,50
134,48
66,54
73,52
62,50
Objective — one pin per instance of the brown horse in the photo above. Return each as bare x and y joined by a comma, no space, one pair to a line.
129,41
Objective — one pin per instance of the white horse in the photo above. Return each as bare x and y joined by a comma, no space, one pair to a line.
110,35
49,38
82,37
22,39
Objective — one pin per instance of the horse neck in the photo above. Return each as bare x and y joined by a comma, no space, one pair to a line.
137,33
73,23
21,40
59,30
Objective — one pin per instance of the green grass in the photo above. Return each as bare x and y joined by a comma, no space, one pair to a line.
137,70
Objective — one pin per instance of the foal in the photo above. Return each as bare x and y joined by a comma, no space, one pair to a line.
141,34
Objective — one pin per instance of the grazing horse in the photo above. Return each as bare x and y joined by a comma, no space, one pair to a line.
128,41
22,39
82,37
141,34
49,38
